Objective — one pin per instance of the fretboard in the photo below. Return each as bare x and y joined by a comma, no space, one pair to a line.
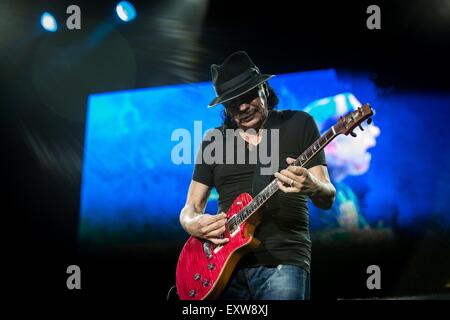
272,187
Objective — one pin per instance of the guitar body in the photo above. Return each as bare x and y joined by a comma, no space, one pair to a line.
203,268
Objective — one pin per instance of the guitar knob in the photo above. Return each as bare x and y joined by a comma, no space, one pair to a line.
361,128
369,121
205,283
192,293
211,266
196,277
353,134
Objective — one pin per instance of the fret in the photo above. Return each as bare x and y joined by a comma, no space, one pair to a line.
316,145
323,142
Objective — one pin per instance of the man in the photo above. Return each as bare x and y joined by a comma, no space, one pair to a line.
279,267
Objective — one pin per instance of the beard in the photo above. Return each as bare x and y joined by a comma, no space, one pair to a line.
250,114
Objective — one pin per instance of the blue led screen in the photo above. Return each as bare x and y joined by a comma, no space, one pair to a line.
393,175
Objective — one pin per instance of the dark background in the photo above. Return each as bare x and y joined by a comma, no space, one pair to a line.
43,141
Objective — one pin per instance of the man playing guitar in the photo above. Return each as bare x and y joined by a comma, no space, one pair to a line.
279,267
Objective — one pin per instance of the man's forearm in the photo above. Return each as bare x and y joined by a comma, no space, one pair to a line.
324,196
188,213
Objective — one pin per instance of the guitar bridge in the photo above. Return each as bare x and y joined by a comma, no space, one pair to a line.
234,230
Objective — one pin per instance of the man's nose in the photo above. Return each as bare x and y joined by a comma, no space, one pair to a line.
243,107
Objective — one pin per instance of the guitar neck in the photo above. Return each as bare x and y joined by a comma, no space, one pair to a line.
272,187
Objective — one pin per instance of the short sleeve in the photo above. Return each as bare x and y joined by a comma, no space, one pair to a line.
311,134
203,172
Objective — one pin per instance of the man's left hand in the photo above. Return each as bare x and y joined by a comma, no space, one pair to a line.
297,179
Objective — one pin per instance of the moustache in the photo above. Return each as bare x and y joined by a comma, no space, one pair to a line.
248,114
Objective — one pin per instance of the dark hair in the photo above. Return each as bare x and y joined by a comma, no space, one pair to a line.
229,123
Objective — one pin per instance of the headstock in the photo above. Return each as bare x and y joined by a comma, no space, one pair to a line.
347,123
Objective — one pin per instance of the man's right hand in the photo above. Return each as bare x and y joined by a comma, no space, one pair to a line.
207,226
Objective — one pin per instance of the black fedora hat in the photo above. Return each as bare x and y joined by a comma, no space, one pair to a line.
235,76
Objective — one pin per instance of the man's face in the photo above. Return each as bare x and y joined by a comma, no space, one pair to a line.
247,110
351,154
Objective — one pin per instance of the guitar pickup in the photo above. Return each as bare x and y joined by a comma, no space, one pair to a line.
216,249
234,231
207,249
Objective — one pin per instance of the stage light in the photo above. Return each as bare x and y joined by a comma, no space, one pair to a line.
48,22
125,11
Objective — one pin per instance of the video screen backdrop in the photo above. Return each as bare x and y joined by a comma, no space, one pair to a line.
393,176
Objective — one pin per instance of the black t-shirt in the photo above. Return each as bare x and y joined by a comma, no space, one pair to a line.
283,231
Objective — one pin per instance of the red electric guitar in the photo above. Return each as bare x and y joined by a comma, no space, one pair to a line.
203,268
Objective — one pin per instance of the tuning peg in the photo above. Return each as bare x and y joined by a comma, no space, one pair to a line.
361,128
353,134
369,121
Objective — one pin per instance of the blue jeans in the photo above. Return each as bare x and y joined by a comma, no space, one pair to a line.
283,282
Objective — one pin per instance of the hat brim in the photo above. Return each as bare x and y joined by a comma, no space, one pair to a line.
241,90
